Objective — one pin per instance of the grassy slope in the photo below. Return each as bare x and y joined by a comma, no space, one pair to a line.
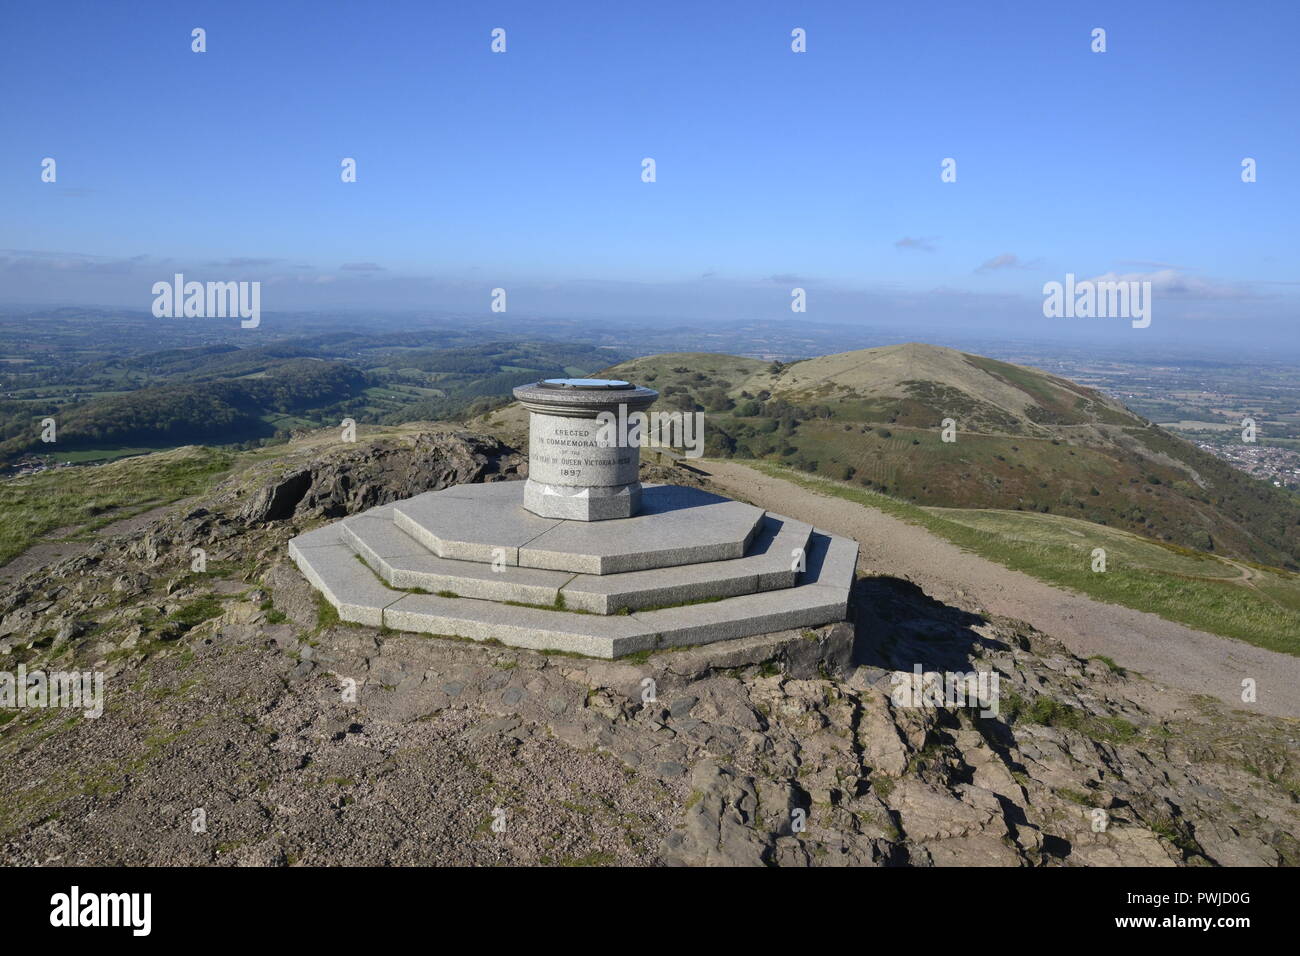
1027,440
87,497
1188,587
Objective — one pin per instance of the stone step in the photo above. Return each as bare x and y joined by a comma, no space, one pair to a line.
616,635
831,559
336,571
405,563
535,628
744,616
486,522
819,597
769,564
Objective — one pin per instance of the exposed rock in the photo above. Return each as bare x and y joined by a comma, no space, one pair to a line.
719,827
375,474
277,500
307,741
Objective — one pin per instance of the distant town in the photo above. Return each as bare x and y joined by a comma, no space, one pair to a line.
1280,466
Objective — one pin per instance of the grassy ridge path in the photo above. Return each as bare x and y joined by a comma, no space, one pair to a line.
1164,651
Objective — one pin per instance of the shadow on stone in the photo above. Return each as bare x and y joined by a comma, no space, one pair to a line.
661,499
898,625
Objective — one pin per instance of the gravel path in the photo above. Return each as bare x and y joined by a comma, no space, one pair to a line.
1170,653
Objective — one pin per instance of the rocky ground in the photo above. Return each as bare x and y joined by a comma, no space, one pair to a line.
301,740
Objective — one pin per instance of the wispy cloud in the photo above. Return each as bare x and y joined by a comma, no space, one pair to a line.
243,262
362,267
1147,264
918,243
1006,260
1172,283
25,260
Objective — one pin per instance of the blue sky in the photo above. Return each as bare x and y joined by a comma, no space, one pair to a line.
522,169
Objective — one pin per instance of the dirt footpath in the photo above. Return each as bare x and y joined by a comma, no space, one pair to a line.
59,544
1166,652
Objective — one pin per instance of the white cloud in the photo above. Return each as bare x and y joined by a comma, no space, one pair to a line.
1174,283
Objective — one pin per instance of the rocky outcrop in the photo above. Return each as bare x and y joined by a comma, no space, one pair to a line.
279,498
368,475
307,741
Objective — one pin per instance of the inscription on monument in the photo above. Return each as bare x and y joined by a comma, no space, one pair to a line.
570,455
571,474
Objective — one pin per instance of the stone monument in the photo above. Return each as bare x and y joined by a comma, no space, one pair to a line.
570,473
580,557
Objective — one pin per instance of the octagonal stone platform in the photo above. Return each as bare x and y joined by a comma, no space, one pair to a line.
696,568
676,526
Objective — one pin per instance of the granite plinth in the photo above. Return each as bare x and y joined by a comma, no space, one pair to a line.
579,468
758,573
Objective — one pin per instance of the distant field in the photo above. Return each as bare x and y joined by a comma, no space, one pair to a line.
1201,426
114,394
1253,603
85,455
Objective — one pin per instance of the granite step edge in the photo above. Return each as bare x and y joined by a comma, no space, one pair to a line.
405,563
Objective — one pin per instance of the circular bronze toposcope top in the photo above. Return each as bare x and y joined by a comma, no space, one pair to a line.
583,383
583,396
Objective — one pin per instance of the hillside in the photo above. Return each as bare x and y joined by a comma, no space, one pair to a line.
1025,441
133,400
222,692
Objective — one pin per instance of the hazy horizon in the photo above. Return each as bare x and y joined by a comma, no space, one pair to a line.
775,170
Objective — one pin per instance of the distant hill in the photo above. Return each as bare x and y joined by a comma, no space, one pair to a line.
223,409
1025,440
222,394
